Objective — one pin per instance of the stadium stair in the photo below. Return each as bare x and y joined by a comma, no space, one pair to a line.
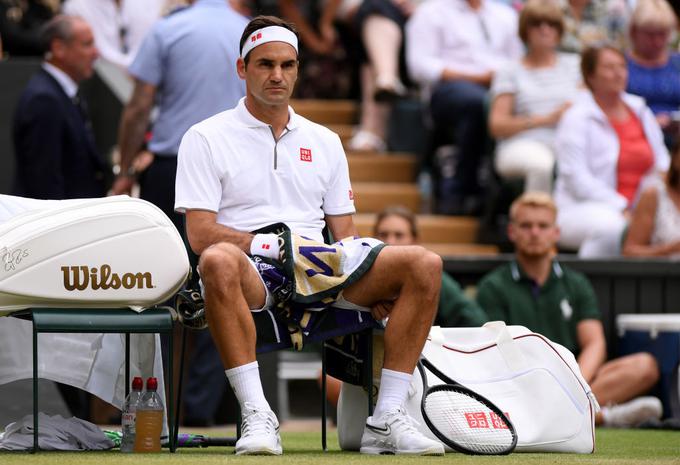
383,179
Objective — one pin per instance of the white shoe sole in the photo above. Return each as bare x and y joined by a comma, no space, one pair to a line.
263,451
381,451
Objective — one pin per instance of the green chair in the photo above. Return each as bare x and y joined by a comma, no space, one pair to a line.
101,320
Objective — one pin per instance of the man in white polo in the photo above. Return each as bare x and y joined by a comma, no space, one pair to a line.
260,164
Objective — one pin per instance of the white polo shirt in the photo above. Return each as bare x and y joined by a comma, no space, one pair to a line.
232,165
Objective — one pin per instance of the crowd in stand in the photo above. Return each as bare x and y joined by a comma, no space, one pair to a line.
577,98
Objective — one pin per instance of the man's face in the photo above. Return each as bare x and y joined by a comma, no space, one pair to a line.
270,74
76,56
533,231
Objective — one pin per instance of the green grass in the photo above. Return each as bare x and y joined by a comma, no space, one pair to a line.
614,447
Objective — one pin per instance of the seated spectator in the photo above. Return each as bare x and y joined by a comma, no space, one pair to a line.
654,72
529,97
453,49
380,24
592,21
397,226
606,143
654,229
20,25
536,291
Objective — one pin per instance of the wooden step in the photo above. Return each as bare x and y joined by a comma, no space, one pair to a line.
432,228
372,197
327,111
381,168
452,250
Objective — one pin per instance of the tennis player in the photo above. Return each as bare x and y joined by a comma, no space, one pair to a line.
259,164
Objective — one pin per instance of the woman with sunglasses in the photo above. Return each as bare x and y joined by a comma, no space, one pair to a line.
529,97
606,143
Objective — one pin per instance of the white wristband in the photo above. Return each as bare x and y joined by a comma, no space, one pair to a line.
265,245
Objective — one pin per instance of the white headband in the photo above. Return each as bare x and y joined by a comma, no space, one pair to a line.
269,34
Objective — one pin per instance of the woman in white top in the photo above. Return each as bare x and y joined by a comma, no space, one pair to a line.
606,143
655,226
529,97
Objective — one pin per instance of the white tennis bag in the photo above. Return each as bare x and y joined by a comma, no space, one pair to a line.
535,381
108,252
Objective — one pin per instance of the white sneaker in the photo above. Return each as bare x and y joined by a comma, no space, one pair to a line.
259,432
632,413
395,432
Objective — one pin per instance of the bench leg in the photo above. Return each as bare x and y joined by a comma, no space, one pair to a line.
35,391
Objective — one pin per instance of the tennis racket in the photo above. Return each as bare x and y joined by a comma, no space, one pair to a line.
464,420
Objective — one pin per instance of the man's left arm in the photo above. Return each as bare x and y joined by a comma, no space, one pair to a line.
341,226
589,329
590,334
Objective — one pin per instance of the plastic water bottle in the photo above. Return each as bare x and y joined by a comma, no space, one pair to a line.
149,420
129,413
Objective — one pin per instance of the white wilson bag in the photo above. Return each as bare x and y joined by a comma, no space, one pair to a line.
109,252
535,381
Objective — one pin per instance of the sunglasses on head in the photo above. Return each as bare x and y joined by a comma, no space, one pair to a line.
537,22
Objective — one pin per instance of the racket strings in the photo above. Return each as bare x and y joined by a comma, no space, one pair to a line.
468,422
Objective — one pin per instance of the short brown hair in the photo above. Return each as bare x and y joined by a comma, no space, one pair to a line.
590,56
401,212
533,199
537,10
259,22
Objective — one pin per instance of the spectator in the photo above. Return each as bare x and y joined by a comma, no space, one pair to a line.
529,97
397,226
21,23
119,25
380,24
56,157
453,49
536,291
654,72
589,22
654,229
605,144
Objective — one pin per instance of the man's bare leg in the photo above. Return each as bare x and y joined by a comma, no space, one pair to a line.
232,287
411,278
621,380
412,275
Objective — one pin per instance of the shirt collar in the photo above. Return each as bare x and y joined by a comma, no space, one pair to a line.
247,118
518,273
69,85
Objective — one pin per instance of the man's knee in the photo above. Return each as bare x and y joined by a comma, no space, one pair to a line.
426,266
220,259
647,368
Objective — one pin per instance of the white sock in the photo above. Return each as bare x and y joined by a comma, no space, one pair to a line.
393,391
247,386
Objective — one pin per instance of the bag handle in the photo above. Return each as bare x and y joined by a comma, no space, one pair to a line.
509,350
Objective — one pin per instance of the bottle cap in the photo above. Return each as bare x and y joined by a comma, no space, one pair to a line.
151,384
137,383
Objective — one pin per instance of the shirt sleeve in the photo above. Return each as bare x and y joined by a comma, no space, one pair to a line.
339,199
504,81
586,301
423,58
198,185
148,63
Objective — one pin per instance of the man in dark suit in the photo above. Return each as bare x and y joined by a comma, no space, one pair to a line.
54,145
